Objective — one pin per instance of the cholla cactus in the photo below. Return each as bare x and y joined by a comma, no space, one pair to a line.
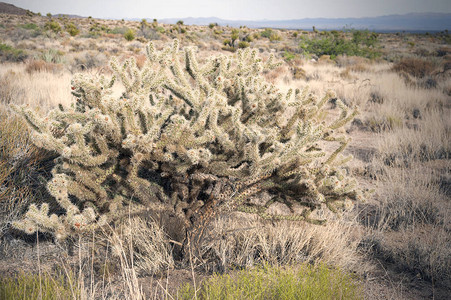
188,139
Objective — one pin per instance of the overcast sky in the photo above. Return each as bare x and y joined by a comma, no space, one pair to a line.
233,9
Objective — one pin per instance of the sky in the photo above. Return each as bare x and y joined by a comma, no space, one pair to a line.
233,9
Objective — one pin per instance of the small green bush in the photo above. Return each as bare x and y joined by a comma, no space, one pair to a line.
160,29
52,56
267,33
334,43
72,29
268,282
53,26
275,37
9,53
243,44
119,30
129,35
288,56
30,26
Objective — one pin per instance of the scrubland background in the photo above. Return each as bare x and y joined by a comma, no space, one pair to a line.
397,243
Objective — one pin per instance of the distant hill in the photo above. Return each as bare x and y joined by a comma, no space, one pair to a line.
6,8
69,16
417,22
414,22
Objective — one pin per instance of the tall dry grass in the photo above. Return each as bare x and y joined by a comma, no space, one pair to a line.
42,90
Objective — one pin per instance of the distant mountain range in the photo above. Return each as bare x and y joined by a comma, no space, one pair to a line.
414,22
410,22
6,8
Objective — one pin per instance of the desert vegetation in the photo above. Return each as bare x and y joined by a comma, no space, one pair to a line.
227,161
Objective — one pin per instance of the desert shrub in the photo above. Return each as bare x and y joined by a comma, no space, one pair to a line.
52,56
119,30
288,56
160,29
416,67
34,66
88,60
72,29
30,26
97,30
335,43
53,25
129,35
275,37
24,32
212,25
150,33
191,141
9,53
269,282
298,73
267,33
243,44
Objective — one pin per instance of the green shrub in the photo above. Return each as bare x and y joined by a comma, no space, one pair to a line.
334,43
288,56
53,26
212,25
72,29
243,44
129,35
234,35
275,37
268,282
118,30
160,29
267,33
52,56
30,26
190,141
9,53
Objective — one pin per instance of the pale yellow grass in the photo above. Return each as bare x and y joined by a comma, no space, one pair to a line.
41,90
243,240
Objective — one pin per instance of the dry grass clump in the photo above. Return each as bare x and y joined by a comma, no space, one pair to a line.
45,90
429,140
416,67
36,66
238,241
143,242
410,227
